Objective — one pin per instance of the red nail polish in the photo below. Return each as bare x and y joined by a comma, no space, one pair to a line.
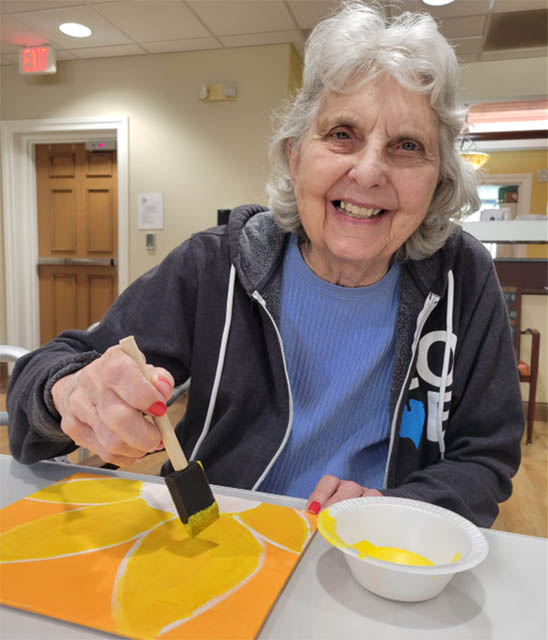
157,409
314,507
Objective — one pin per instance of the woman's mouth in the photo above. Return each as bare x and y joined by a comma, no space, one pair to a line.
355,211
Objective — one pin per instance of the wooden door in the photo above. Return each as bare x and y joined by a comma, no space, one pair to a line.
77,236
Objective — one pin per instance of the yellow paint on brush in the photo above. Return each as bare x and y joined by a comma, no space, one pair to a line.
365,548
197,522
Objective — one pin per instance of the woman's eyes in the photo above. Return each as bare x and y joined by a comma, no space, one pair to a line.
346,138
408,146
339,134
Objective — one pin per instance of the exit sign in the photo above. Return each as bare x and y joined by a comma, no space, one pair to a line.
37,60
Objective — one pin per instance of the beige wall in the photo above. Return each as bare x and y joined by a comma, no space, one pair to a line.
2,279
504,80
200,156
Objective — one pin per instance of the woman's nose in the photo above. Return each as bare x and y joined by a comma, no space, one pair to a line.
369,168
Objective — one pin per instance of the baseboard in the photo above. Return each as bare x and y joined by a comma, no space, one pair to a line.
541,411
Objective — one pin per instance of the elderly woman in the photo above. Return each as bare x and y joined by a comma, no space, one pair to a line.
349,341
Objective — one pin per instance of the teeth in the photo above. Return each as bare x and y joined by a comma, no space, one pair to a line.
357,212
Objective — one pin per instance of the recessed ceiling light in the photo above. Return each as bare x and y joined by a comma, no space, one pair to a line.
437,3
75,30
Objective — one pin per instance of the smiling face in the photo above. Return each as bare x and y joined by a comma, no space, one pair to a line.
364,176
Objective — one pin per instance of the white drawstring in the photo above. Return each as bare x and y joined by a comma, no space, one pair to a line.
257,296
446,358
220,361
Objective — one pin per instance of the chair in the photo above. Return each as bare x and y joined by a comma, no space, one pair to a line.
9,354
527,372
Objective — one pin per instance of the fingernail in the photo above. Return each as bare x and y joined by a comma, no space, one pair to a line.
163,384
164,379
157,409
314,507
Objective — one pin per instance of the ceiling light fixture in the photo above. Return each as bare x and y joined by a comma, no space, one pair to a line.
437,3
476,158
75,30
471,154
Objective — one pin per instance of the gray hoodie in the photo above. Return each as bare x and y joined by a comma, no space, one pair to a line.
211,310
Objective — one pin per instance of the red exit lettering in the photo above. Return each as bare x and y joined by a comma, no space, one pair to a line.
35,60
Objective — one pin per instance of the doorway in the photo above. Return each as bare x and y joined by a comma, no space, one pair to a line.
20,211
77,234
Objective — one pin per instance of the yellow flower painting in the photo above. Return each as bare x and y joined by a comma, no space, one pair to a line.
112,554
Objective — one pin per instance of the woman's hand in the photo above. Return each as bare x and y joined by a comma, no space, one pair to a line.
331,489
102,406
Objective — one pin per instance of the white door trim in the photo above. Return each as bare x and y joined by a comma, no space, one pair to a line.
524,182
18,138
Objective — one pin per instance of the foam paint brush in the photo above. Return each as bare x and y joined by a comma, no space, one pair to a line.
188,484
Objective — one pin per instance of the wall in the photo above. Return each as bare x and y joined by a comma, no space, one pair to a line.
201,156
2,278
504,80
295,71
526,161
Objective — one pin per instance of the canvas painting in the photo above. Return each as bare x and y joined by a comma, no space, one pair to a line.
112,554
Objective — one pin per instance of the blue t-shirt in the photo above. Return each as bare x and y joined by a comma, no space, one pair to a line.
339,349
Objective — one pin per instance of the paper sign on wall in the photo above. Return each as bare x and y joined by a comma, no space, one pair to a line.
151,210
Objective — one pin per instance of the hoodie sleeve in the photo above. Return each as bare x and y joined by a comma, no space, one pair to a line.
158,309
485,425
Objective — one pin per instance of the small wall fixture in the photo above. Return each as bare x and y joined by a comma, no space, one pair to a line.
37,60
218,93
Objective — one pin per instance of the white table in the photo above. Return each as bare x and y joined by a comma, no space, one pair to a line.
504,597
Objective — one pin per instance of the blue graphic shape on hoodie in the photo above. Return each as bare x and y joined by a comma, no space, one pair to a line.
412,423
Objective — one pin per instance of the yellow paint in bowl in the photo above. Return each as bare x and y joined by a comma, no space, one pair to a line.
366,548
390,554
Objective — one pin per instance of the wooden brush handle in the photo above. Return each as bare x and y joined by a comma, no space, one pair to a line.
172,445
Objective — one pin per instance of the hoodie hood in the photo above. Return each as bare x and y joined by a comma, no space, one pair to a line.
255,245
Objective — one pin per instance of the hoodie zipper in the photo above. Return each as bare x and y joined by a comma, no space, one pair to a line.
429,305
257,296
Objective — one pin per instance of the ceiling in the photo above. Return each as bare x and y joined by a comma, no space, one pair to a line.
479,29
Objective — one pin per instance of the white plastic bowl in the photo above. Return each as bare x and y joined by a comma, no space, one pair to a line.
431,531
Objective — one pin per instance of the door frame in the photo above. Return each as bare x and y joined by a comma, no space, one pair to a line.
20,217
